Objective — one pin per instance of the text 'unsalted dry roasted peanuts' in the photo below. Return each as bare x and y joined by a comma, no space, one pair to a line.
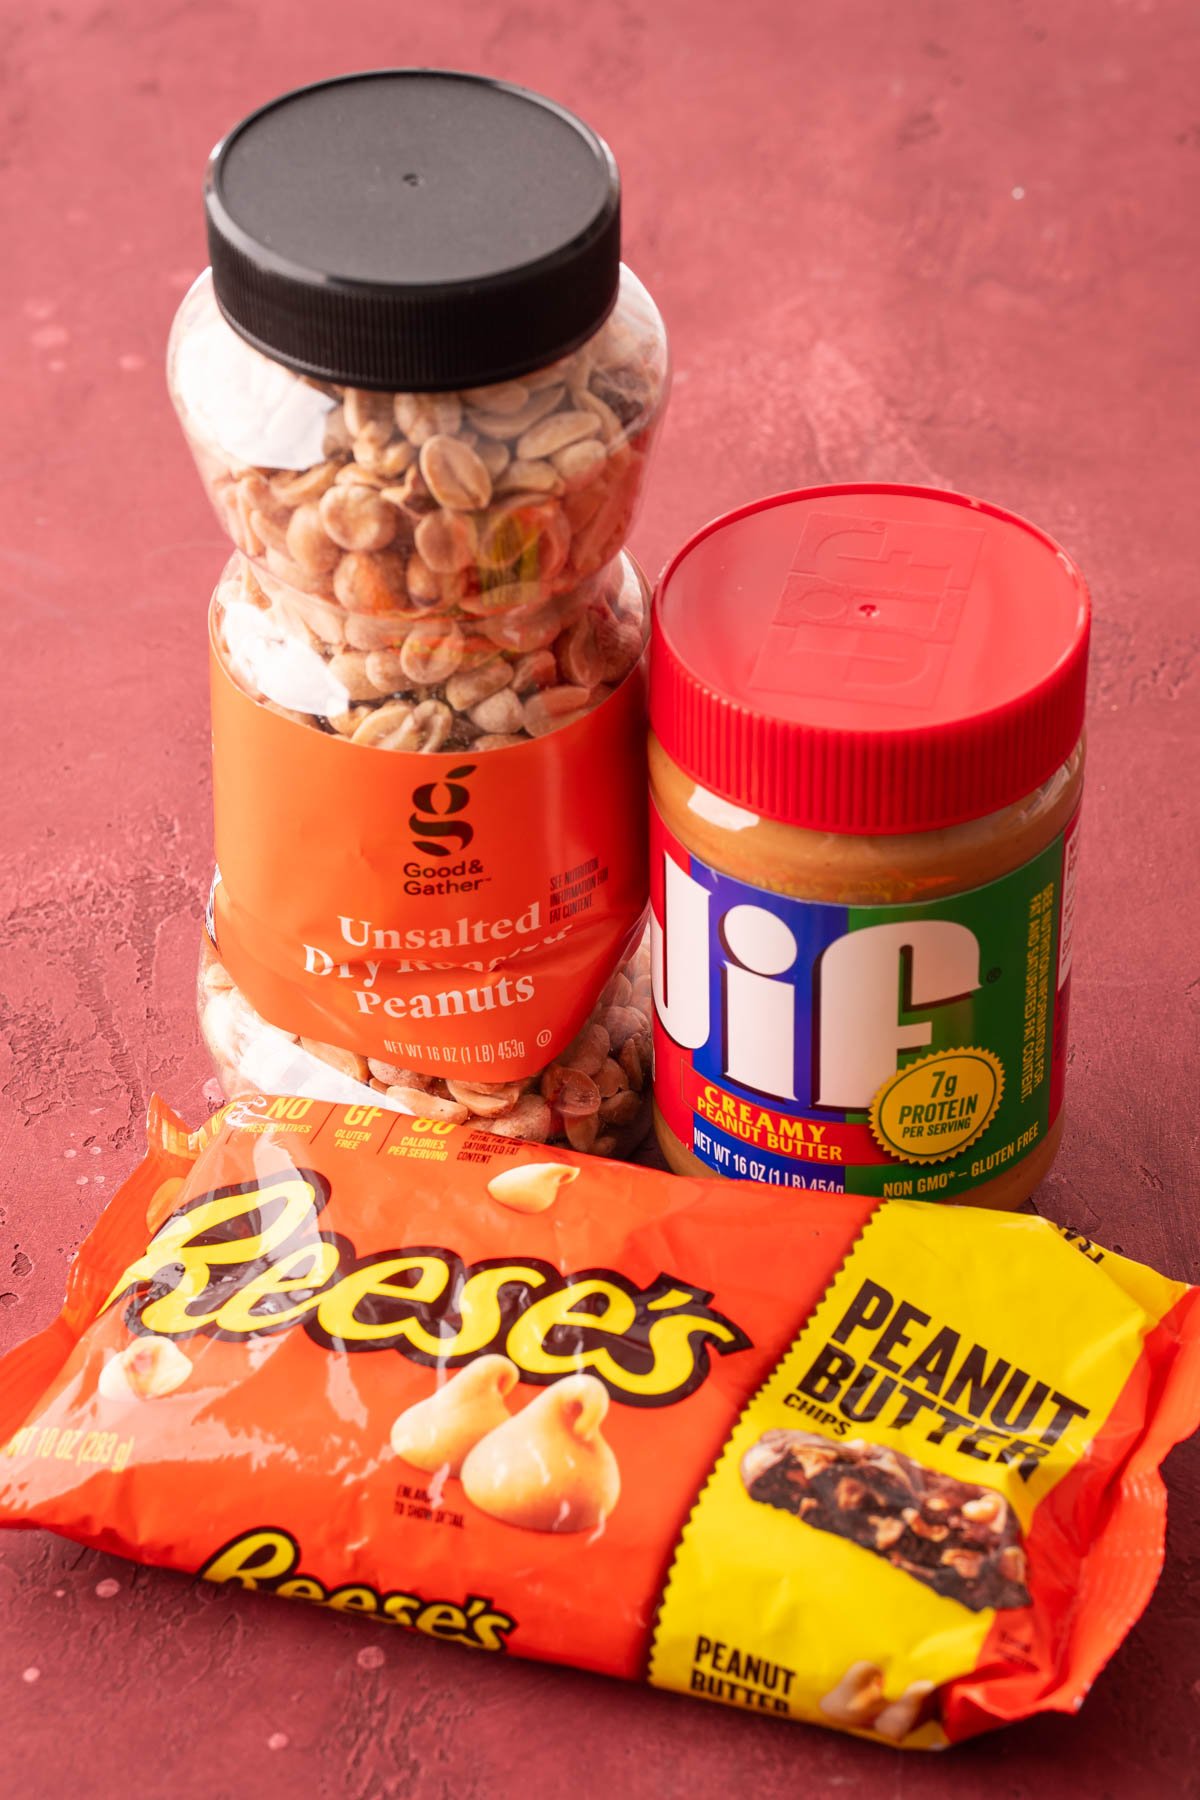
594,1096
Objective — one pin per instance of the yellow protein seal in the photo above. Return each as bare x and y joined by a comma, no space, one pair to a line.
933,1108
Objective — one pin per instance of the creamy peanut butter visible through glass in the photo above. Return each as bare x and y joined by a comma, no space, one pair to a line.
866,770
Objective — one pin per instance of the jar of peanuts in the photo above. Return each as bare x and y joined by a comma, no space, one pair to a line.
421,391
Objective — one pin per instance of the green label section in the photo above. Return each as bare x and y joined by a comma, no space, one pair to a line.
986,1086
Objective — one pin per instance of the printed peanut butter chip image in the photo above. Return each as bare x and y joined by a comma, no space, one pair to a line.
859,1703
438,1433
531,1188
549,1468
150,1367
959,1539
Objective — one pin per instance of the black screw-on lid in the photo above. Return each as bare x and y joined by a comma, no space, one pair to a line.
413,229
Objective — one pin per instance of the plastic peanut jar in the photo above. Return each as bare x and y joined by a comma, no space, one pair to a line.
421,390
866,768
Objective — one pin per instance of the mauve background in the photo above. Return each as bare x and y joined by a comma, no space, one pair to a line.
945,241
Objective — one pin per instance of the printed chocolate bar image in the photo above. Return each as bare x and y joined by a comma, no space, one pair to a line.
961,1540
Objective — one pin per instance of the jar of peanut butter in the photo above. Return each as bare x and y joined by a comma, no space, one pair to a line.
866,766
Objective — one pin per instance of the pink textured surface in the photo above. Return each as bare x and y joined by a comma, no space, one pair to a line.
930,242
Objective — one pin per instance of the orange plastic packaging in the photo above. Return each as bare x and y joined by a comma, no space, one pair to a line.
865,1463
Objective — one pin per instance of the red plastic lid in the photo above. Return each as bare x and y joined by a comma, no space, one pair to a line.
870,659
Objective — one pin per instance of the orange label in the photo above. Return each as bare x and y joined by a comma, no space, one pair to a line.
456,914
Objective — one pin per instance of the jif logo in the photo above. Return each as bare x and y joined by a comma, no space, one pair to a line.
767,987
870,610
436,828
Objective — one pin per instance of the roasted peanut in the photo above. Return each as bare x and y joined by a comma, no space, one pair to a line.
491,423
467,689
455,476
422,1105
570,1092
965,1563
392,1075
423,416
500,712
588,1051
522,477
494,455
1013,1563
358,518
506,397
555,433
385,673
486,1100
610,1079
611,428
371,631
621,1108
426,729
537,670
578,464
618,991
387,728
529,1118
295,487
446,541
424,586
346,1062
350,668
370,581
347,723
431,652
581,1131
381,459
363,407
553,708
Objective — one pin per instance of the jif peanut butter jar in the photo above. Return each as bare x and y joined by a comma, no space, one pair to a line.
866,765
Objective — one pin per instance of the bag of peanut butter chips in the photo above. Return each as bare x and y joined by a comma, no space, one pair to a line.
878,1465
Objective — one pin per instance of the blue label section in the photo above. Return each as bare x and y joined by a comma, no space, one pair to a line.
728,1156
813,926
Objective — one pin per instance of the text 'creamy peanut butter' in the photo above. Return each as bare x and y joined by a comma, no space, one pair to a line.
866,767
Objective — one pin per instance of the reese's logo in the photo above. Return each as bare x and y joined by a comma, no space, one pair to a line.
250,1260
268,1558
436,828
